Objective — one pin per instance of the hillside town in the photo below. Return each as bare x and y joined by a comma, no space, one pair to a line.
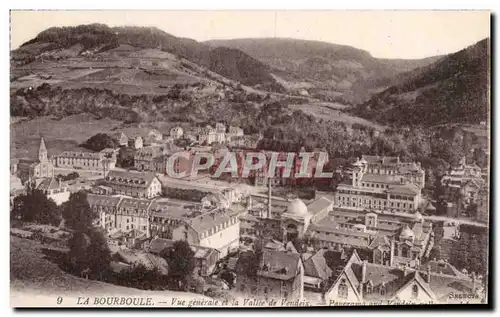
371,238
320,158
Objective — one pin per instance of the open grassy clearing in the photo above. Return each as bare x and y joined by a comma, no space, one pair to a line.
60,135
35,281
325,112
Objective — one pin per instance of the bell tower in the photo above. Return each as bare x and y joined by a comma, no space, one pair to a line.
42,152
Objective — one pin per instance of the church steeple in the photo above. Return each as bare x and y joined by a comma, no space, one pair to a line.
42,152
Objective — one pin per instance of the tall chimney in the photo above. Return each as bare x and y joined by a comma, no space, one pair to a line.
391,254
363,272
474,282
269,198
428,279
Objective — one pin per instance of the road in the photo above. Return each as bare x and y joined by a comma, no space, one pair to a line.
460,221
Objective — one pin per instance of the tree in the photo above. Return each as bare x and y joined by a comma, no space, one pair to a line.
34,206
98,253
89,253
125,157
77,213
180,259
100,142
227,276
77,255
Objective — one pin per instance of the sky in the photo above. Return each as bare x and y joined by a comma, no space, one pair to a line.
385,34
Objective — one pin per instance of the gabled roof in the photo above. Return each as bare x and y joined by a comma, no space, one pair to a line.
48,184
316,266
103,200
209,220
280,265
133,179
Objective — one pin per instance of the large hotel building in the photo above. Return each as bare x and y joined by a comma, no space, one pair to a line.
382,183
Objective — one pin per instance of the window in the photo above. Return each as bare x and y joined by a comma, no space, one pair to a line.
382,290
343,289
369,288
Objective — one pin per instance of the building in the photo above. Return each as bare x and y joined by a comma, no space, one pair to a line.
134,184
316,270
155,136
382,183
409,247
154,158
121,138
53,189
136,142
483,202
102,161
363,282
13,166
146,158
168,216
217,229
278,275
42,167
122,214
234,132
106,207
205,258
176,133
465,180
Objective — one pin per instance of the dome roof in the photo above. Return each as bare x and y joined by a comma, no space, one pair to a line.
406,233
297,207
418,216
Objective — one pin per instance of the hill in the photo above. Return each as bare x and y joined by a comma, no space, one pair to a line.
88,40
324,69
454,89
37,282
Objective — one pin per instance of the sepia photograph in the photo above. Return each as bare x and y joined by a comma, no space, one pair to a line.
257,159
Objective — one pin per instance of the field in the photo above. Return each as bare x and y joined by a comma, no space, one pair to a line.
333,112
123,69
35,281
60,135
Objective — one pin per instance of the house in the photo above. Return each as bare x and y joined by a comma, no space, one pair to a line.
13,166
316,270
176,133
53,189
136,142
121,138
217,229
134,184
155,136
145,158
363,282
205,258
278,275
106,207
234,132
465,179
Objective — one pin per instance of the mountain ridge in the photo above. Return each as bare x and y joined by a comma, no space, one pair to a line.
347,71
455,89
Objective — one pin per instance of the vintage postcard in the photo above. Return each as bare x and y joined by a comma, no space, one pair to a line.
249,158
